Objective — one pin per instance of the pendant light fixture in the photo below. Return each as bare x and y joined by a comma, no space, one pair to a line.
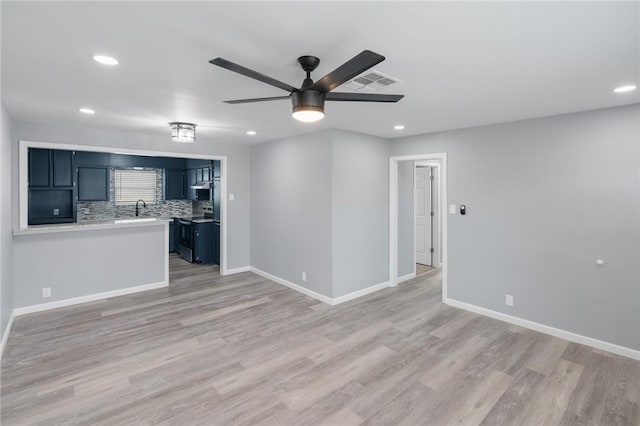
183,132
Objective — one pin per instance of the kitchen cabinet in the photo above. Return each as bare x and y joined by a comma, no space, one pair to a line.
191,180
92,159
39,168
175,184
203,242
51,186
216,243
93,184
172,237
215,188
216,169
62,167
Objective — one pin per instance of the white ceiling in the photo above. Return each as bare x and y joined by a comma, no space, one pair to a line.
461,64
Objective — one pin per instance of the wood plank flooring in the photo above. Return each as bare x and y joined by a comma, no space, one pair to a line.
240,349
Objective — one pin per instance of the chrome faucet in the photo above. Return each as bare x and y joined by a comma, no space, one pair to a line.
137,208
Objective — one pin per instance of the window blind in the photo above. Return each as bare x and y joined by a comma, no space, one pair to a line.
134,185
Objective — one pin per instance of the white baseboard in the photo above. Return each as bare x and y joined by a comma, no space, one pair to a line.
359,293
87,298
296,287
7,330
237,270
552,331
405,278
318,296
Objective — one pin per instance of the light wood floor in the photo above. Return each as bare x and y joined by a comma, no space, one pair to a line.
240,349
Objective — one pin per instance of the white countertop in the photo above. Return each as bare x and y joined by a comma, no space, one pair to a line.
89,226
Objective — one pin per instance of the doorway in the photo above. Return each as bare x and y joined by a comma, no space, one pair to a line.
417,214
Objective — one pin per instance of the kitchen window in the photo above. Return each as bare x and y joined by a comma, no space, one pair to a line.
132,185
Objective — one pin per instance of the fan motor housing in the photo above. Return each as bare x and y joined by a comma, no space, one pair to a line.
307,100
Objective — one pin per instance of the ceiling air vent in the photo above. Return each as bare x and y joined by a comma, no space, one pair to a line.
372,81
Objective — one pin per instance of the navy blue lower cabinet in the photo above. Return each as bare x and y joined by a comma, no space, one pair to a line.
203,242
172,237
216,243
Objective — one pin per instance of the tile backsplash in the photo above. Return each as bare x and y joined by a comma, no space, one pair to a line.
89,211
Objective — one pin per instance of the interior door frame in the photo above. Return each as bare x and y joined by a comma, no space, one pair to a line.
437,171
393,214
417,164
23,184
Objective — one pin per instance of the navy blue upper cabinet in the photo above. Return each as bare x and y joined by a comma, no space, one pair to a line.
93,184
191,180
62,169
39,168
50,168
216,168
93,159
175,184
215,185
51,186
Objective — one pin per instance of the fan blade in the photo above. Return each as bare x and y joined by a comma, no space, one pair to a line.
345,72
361,97
247,101
252,74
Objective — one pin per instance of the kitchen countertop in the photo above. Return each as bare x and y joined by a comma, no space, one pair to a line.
88,226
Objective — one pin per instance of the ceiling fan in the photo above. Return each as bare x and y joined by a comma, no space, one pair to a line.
308,100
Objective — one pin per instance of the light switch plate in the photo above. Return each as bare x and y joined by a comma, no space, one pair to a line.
452,209
232,197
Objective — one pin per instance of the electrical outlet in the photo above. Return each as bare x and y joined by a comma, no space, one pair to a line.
46,292
86,211
304,276
508,300
452,209
56,212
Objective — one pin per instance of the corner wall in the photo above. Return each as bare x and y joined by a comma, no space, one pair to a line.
319,204
360,211
291,210
6,246
546,198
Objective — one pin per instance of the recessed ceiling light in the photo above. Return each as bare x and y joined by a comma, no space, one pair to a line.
623,89
251,132
105,60
398,127
87,111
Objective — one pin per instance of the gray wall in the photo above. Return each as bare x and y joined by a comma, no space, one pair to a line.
81,263
546,198
238,167
406,194
291,209
360,211
319,204
6,251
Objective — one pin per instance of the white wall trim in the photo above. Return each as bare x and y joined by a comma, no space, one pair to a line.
293,286
407,277
23,181
552,331
321,297
7,331
359,293
238,270
393,214
88,298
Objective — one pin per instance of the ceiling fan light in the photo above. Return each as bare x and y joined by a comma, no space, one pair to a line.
183,132
308,114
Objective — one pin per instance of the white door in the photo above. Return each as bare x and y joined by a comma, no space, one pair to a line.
423,215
